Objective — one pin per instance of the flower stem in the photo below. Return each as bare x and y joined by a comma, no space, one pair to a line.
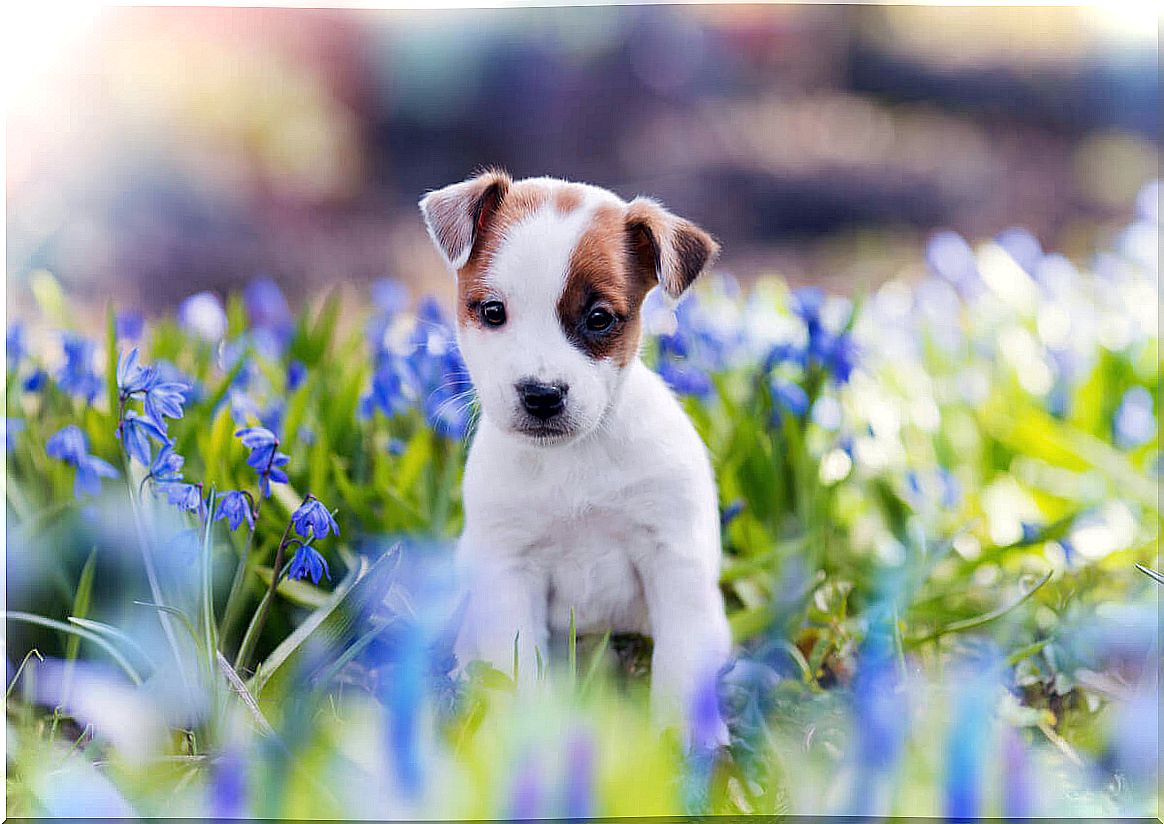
234,601
255,628
150,569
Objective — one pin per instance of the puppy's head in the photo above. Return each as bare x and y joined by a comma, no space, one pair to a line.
550,279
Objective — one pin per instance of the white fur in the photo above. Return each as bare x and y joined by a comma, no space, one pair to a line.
617,521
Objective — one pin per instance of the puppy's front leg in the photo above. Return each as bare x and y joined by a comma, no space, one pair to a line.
507,606
692,640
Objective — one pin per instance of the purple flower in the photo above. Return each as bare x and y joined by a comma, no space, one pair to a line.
580,762
136,433
307,563
235,507
526,796
312,518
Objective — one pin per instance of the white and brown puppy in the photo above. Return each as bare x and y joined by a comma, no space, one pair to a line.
586,488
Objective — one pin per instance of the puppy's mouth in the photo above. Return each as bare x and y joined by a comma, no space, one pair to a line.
545,433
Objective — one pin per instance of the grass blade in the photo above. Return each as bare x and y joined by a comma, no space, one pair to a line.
979,620
60,626
1151,573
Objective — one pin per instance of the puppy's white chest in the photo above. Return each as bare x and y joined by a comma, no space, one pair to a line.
589,568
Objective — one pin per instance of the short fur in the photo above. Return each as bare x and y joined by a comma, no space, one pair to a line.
608,509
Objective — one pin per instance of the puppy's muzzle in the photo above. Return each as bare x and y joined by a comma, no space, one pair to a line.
542,400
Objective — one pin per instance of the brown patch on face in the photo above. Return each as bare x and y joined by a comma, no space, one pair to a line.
602,273
521,200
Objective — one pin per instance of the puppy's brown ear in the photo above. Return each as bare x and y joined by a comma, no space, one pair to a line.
667,248
456,215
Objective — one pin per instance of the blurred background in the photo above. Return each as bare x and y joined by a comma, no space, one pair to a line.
153,153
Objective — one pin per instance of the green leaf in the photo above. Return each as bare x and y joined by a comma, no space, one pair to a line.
82,601
329,628
84,634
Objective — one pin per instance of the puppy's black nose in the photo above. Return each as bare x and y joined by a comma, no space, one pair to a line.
542,400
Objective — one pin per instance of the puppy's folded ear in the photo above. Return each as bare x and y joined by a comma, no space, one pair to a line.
457,215
666,248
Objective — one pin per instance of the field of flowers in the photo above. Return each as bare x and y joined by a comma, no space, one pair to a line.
228,537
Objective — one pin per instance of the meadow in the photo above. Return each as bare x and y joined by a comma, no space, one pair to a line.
228,535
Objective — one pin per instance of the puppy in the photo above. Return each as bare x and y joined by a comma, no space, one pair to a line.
587,489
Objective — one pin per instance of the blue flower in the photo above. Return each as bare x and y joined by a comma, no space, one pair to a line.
167,465
685,378
235,507
390,295
784,353
731,512
838,355
76,376
307,563
71,446
185,496
1023,247
264,457
164,400
789,397
312,517
388,390
203,315
136,434
14,344
950,256
270,317
261,441
12,428
133,378
35,381
296,372
1135,421
807,303
129,325
90,471
968,740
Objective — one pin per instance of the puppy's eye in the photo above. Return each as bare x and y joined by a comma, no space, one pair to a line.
600,320
493,312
